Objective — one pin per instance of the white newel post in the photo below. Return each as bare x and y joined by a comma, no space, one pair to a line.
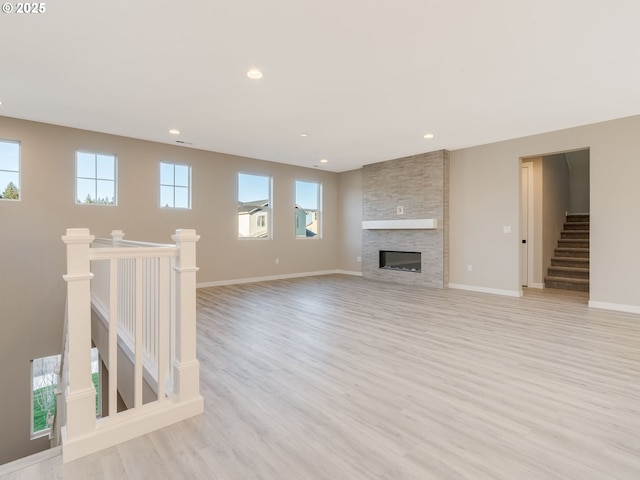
116,237
80,395
186,366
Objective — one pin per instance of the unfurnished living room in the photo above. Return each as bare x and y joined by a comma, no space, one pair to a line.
336,240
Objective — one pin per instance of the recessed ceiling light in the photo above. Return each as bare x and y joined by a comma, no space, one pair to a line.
429,136
254,74
173,131
304,134
324,160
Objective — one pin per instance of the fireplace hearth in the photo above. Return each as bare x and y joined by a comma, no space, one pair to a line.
401,261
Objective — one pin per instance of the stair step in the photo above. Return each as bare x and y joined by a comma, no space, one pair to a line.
575,234
576,226
578,217
572,252
568,272
573,243
570,262
565,283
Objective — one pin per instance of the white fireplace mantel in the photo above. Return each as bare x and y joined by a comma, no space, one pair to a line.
416,224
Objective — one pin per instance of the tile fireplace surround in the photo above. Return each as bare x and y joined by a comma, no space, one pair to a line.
420,185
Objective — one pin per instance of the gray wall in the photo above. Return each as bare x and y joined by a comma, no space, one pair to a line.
484,197
350,220
32,255
579,181
555,204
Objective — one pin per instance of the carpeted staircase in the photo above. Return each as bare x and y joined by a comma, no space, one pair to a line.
569,268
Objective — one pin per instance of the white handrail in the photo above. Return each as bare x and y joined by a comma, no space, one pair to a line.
143,298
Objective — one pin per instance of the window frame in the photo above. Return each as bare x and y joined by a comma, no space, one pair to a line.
174,186
47,430
19,171
269,208
319,215
96,178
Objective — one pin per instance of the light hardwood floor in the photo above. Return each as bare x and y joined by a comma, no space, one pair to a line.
337,377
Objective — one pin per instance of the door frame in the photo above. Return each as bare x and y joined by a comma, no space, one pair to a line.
527,225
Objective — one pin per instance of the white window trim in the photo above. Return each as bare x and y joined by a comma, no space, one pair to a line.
19,171
174,186
269,208
320,213
115,179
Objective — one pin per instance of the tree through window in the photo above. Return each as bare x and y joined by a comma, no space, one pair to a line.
9,170
95,178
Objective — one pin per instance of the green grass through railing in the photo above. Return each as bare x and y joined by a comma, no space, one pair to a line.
40,414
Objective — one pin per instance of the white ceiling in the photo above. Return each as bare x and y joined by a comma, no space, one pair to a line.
364,79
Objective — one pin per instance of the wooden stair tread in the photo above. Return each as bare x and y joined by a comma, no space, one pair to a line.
569,269
584,281
571,259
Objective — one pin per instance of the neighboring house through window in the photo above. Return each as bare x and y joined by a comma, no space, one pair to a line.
175,185
254,206
9,170
307,209
95,178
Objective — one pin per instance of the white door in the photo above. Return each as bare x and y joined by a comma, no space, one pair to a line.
524,223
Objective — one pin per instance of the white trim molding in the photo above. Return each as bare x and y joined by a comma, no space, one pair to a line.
614,306
493,291
349,272
417,224
237,281
30,460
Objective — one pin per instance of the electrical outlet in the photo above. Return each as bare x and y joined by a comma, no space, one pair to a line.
470,268
400,210
277,261
359,259
506,229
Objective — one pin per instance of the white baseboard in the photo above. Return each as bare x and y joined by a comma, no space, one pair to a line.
29,461
349,272
494,291
536,285
614,306
286,276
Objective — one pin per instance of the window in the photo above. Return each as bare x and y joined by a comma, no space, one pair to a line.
44,381
307,209
9,170
175,185
95,178
254,206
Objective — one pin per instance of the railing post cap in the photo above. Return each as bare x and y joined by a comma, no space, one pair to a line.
78,235
185,235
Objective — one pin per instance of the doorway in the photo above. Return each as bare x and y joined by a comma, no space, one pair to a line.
552,187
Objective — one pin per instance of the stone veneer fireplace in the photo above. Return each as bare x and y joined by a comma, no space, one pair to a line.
419,184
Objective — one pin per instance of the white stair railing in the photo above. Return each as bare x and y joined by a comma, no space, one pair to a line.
143,296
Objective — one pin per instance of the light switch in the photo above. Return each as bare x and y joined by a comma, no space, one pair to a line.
506,229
